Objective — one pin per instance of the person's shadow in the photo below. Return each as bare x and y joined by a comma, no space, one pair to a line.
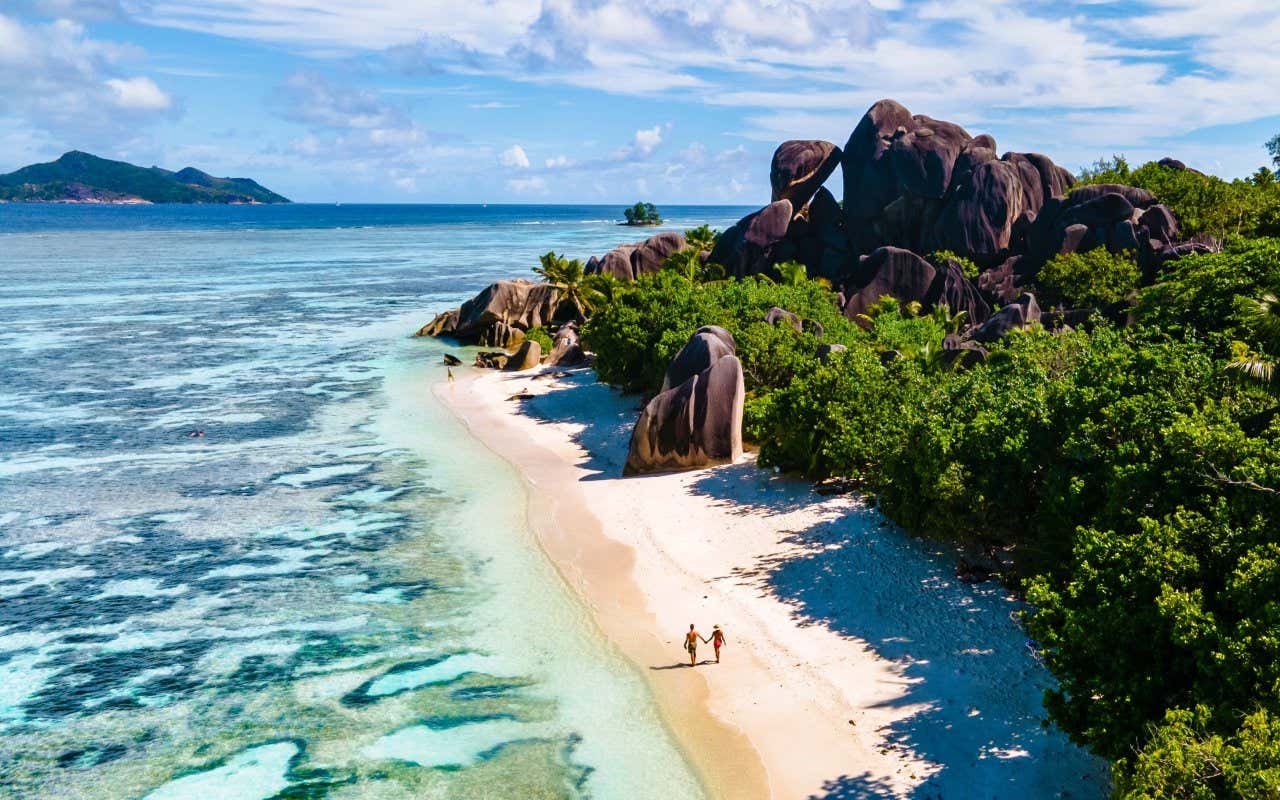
684,665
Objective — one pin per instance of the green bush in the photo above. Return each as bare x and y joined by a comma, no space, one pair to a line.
1203,204
967,265
1090,279
539,334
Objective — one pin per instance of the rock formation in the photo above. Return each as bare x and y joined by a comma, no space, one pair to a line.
566,349
491,316
696,421
627,262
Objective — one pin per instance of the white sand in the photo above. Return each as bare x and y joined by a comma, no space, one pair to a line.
856,664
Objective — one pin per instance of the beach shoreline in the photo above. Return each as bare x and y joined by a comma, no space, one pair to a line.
807,703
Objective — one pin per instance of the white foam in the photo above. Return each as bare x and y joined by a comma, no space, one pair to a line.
139,587
42,577
255,774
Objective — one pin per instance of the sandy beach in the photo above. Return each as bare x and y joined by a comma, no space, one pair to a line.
856,665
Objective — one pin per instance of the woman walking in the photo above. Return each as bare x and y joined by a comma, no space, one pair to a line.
717,640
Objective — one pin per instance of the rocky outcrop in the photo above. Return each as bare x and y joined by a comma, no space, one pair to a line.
627,262
696,422
708,345
566,349
527,357
491,316
893,272
780,316
799,168
756,242
1019,314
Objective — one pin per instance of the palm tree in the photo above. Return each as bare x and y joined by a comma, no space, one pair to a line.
950,323
701,238
792,273
1262,318
571,279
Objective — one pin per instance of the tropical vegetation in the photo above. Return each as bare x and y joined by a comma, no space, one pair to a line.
1127,470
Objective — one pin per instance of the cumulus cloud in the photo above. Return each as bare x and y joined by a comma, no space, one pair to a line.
514,156
139,93
59,79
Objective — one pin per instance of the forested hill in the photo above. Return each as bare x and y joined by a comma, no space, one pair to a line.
79,177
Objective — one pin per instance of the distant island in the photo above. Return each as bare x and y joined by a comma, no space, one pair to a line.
79,177
642,214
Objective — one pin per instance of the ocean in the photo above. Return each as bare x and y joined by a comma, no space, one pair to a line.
245,554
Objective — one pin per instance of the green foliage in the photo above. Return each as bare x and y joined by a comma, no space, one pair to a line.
1203,292
1186,759
1204,204
688,262
792,273
1273,149
1093,278
539,334
637,334
642,214
970,269
702,238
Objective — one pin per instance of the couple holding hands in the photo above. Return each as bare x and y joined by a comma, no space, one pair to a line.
691,642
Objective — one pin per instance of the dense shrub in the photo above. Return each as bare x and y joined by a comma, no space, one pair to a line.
539,334
1204,204
1093,278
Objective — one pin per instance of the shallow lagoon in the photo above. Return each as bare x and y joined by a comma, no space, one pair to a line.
331,593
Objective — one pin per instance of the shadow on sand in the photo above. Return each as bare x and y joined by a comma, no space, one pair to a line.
971,701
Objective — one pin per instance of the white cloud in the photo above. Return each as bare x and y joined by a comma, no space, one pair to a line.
1056,74
492,104
648,139
559,162
60,80
514,156
140,93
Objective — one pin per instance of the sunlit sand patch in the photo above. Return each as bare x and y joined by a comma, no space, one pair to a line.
457,746
255,774
447,669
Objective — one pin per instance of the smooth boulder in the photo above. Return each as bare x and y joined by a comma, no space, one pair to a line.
695,424
800,167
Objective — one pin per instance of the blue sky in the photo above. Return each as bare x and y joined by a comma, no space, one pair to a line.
607,101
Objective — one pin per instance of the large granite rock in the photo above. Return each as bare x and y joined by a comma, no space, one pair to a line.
894,272
780,316
502,306
1019,314
566,348
527,357
627,262
708,344
799,168
695,423
752,246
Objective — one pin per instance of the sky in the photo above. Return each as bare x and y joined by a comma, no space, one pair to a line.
601,101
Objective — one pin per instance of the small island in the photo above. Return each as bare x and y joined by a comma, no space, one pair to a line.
79,177
642,214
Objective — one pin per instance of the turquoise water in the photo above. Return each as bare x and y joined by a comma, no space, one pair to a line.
332,591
